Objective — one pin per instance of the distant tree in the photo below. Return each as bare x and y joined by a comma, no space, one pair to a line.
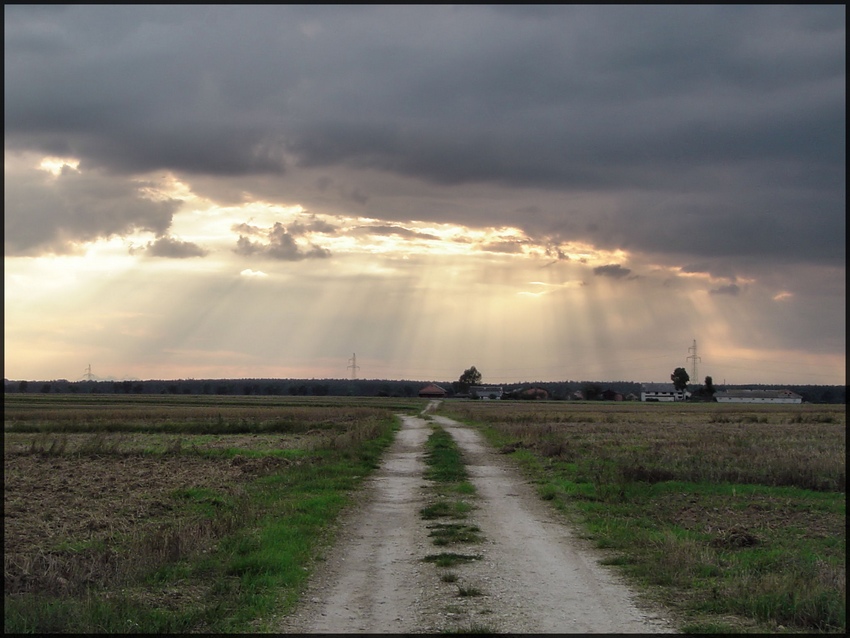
680,378
704,392
561,392
470,377
22,386
592,391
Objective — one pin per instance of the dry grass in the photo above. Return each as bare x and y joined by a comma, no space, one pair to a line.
181,415
800,446
735,514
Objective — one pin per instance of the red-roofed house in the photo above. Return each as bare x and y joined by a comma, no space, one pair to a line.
432,391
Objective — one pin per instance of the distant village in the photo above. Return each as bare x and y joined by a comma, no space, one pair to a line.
527,391
649,392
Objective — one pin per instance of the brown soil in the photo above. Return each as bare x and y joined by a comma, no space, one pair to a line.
107,500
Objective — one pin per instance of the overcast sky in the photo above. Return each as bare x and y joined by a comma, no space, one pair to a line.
547,193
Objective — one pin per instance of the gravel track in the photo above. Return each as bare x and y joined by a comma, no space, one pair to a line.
534,575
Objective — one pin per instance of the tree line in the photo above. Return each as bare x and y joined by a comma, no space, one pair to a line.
554,390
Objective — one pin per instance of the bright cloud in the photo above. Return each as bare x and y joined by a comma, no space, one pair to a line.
259,274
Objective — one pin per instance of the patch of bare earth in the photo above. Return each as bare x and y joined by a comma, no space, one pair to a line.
532,575
72,520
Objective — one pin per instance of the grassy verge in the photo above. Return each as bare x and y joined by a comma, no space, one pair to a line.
445,462
450,483
226,548
452,490
735,519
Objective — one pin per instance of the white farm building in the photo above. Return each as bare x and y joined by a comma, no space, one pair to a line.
757,396
662,392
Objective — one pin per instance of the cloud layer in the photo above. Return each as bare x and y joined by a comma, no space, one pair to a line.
641,174
709,131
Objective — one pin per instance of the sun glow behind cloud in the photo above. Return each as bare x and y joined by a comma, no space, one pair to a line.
414,299
406,317
55,165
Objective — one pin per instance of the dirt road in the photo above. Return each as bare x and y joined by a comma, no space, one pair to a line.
534,576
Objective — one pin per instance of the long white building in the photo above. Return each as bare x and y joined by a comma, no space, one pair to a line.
757,396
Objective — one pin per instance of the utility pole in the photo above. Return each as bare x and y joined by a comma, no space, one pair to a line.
694,358
353,365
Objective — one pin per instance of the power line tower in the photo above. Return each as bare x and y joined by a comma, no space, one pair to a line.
693,358
353,365
88,373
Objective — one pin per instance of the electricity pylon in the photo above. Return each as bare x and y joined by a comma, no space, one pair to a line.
353,365
693,358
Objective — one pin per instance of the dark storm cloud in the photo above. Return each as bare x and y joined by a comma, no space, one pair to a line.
44,213
280,245
556,254
508,247
615,271
719,129
314,225
247,229
397,231
729,289
174,248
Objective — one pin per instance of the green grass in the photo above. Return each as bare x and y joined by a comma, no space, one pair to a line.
450,533
735,518
447,471
446,508
117,614
444,459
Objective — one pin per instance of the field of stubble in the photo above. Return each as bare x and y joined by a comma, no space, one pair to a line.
174,514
